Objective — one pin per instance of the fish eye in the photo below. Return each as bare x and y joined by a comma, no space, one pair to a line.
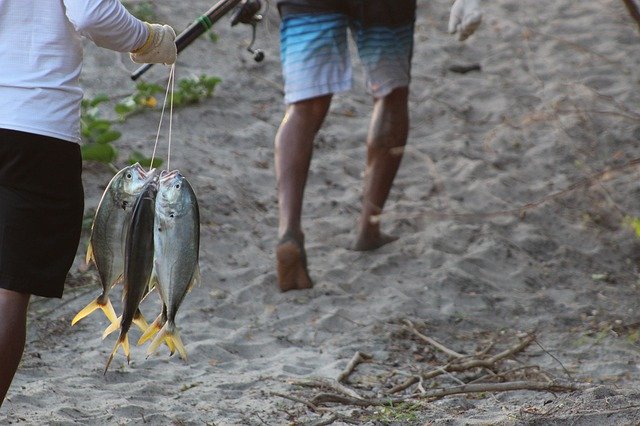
177,186
129,175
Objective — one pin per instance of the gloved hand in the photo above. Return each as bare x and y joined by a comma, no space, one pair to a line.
465,18
160,46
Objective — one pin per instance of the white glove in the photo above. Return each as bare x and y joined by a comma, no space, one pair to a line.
465,18
160,46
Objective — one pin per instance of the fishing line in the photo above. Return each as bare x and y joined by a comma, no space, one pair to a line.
170,85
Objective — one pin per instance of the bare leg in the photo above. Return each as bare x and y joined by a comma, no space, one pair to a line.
13,317
294,148
387,137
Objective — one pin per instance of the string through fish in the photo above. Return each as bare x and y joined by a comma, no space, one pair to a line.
167,95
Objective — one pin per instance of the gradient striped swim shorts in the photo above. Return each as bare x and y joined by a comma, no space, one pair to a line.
314,46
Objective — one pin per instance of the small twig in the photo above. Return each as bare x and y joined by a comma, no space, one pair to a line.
310,405
490,362
504,374
331,384
358,358
556,359
486,350
554,386
409,325
456,365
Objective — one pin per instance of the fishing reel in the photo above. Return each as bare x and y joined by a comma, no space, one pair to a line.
247,13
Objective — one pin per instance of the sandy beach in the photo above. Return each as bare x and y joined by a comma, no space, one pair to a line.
512,207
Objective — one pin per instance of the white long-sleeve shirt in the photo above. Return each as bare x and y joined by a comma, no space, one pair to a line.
41,59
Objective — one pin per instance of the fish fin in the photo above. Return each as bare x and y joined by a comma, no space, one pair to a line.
106,307
92,306
177,341
152,329
126,347
168,334
89,256
195,279
109,311
139,320
122,341
112,327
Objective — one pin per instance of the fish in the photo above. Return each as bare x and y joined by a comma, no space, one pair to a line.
108,230
138,262
176,255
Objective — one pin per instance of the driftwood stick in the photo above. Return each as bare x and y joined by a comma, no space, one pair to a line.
554,386
456,365
404,385
329,383
358,358
309,405
632,7
409,325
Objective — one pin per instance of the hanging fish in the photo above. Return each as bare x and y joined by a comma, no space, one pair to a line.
176,247
138,262
108,231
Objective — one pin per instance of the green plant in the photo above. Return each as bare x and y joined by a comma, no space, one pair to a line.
98,133
399,413
192,90
144,97
633,223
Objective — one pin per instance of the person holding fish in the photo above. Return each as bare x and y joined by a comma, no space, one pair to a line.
41,194
315,65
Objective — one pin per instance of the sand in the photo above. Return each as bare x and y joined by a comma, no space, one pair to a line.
510,207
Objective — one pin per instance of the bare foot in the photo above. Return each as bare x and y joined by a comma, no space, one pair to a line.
366,242
292,265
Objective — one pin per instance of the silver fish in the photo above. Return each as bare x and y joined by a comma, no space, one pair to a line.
176,247
138,262
106,243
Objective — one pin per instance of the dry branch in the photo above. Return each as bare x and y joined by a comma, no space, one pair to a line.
358,358
409,325
330,384
466,364
553,386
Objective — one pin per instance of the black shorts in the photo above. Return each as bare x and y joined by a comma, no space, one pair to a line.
41,210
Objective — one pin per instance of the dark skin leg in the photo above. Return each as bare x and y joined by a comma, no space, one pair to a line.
13,318
293,151
387,137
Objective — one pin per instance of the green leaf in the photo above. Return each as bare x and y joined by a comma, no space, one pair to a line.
104,153
108,136
98,99
138,157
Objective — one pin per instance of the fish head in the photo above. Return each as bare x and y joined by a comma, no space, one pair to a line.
171,187
136,179
127,184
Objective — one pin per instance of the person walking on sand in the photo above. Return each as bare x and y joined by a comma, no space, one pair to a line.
41,194
315,65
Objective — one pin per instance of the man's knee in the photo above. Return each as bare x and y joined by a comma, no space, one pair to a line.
314,109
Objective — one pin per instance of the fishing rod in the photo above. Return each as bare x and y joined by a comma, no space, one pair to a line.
246,14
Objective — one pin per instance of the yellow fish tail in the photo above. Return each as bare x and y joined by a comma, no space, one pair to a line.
170,335
152,330
113,327
106,307
122,341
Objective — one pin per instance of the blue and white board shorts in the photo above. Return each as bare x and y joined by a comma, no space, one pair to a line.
315,53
